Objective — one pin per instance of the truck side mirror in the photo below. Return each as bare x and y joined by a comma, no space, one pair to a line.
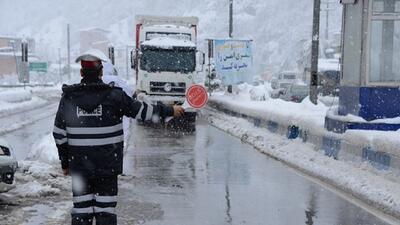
200,61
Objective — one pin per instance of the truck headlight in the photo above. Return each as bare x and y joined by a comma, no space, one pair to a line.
168,87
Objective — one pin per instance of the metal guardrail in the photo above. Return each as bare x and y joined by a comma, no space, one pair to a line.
25,85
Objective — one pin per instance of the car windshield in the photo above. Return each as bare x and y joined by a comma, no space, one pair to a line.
4,151
300,89
181,60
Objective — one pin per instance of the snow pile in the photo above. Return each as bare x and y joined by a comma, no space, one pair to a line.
385,141
381,193
44,150
38,179
307,115
17,100
15,96
259,93
34,189
7,108
36,169
329,100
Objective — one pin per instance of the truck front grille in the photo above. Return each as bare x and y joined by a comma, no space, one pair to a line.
176,88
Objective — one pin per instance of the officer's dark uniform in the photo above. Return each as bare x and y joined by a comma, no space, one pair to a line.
89,137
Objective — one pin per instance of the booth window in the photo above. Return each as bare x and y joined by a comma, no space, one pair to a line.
384,56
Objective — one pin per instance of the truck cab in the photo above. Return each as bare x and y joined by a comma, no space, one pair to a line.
166,58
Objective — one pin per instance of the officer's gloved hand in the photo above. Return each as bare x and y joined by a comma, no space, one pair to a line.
179,111
65,172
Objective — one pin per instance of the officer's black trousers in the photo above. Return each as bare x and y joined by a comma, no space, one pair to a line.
94,198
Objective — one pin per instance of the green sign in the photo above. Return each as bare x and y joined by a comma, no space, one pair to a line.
38,67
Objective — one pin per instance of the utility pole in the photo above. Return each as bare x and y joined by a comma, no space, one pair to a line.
314,53
69,52
127,61
15,57
59,64
111,55
230,18
327,22
24,63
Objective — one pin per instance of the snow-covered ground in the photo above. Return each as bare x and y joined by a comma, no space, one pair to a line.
40,191
305,115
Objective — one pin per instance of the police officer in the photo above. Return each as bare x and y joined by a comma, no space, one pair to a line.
89,136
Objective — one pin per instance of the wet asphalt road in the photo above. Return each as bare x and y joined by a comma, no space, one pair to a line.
212,178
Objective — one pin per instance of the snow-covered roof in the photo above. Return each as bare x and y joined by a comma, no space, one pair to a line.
168,43
94,29
184,21
17,53
6,49
9,37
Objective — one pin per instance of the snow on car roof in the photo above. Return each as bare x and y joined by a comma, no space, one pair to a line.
168,43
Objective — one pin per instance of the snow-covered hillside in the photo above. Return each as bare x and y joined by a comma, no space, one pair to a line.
276,26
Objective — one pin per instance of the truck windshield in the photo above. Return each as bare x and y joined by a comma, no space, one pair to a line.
169,60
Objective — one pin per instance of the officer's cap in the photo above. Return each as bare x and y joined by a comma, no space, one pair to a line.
91,58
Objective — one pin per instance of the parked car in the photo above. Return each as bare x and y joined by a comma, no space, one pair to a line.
8,163
295,93
329,76
275,93
329,81
284,77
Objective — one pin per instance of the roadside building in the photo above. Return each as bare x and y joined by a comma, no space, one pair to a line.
10,54
370,75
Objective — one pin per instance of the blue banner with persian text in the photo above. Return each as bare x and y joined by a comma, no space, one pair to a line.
233,61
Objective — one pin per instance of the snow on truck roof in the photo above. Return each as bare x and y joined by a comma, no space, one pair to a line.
168,43
153,20
177,28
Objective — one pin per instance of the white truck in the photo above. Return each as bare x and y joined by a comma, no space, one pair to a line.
166,59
